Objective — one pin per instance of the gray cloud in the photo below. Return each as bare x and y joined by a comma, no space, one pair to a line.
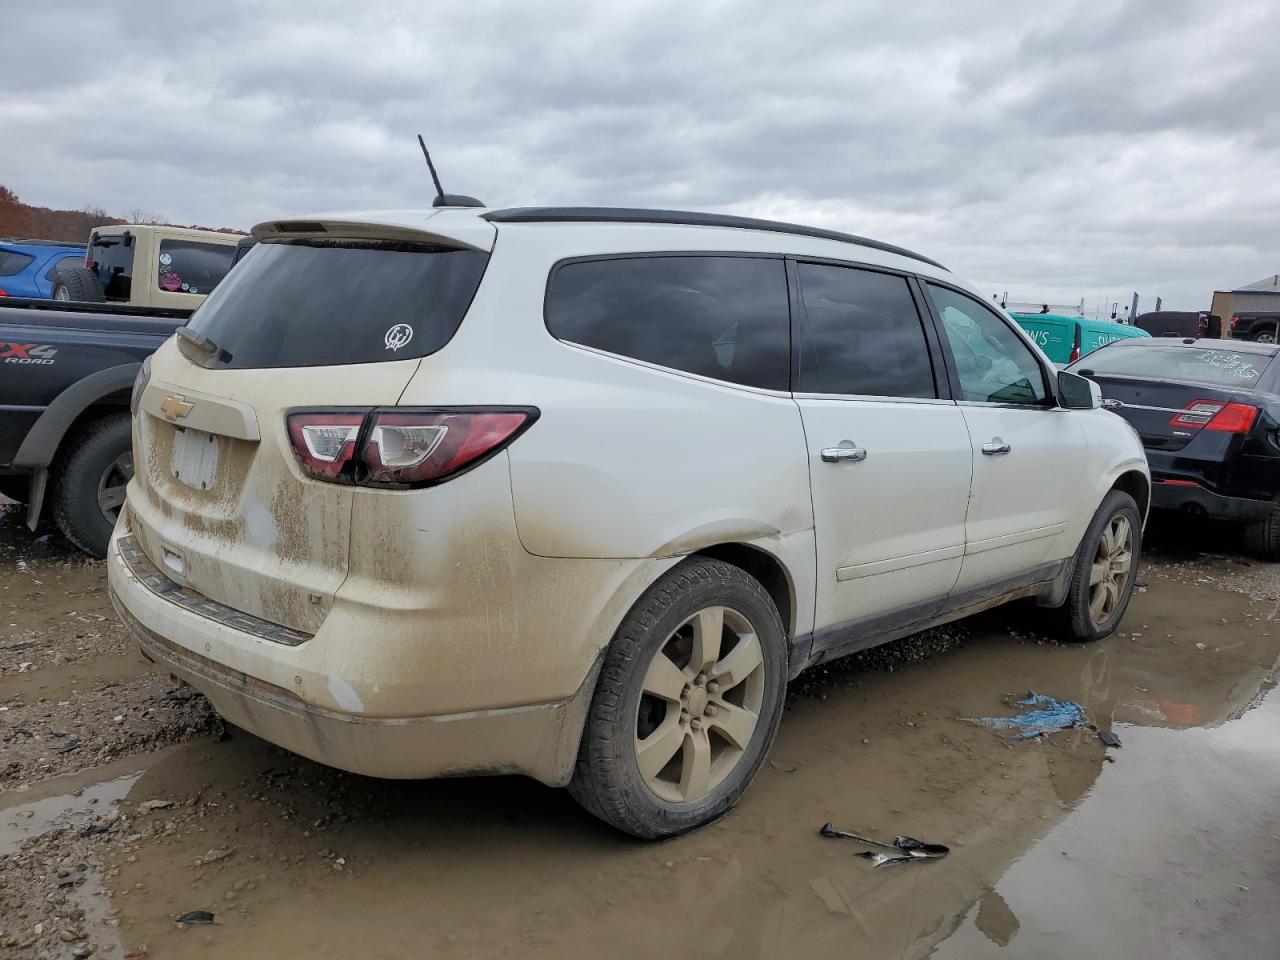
1056,151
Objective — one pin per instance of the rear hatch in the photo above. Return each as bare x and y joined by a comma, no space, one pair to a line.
1171,392
320,314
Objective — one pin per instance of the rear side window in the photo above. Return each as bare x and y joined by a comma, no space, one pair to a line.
189,266
861,334
324,303
721,317
112,260
12,264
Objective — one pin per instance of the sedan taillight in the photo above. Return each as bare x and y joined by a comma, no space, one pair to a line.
1216,415
402,447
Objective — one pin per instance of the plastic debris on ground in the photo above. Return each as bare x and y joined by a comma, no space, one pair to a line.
904,849
1049,716
1108,738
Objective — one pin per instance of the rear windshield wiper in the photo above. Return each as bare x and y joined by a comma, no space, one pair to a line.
203,344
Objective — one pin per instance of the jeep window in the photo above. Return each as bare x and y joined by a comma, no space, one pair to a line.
861,334
189,266
311,303
112,261
12,264
721,317
994,364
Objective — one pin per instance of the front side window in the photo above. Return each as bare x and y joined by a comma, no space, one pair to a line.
189,266
721,317
995,366
861,335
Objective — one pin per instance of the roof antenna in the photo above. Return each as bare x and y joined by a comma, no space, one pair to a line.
445,199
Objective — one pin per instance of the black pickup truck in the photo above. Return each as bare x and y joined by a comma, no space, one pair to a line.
66,373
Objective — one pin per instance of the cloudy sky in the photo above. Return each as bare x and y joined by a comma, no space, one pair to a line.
1056,150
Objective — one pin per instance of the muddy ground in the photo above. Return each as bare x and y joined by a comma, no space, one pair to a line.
124,803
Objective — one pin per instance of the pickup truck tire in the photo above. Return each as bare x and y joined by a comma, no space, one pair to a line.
1266,334
1262,538
89,483
1106,566
681,718
78,284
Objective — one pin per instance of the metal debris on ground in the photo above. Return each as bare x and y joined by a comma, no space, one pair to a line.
194,916
904,848
1108,738
1049,716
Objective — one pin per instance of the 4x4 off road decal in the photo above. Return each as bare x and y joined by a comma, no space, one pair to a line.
40,353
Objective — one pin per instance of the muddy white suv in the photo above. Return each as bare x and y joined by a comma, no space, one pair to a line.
574,493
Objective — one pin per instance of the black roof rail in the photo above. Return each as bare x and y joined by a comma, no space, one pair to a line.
685,218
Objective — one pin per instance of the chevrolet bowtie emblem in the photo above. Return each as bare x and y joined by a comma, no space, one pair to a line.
176,408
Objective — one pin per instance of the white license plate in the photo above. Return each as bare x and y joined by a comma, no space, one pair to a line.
195,458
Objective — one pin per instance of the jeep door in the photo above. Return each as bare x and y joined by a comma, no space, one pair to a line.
889,456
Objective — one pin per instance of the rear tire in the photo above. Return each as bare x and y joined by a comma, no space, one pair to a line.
1266,335
77,283
687,703
1262,538
89,485
1105,568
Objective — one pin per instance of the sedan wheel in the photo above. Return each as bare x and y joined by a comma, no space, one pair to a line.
700,705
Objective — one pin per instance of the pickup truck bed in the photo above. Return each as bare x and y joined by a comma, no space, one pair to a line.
66,371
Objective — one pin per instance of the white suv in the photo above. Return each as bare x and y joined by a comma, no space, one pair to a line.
573,493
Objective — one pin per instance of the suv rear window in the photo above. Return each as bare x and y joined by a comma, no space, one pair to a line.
113,263
721,317
189,266
314,303
12,264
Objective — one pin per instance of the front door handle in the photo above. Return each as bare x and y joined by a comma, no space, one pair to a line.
843,454
995,447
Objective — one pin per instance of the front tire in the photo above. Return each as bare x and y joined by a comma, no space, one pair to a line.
90,485
687,703
1106,566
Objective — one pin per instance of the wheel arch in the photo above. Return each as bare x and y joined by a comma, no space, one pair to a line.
76,407
765,567
1136,484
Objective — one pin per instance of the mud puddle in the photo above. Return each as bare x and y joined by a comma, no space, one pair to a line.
1165,852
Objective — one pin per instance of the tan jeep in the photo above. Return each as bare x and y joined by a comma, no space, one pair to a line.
145,265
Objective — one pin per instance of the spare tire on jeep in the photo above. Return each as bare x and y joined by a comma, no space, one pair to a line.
76,282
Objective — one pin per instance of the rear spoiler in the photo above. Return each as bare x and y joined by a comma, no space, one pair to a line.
467,232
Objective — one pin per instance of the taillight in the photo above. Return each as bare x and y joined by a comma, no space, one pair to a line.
139,385
1202,326
1234,321
1217,415
3,292
402,447
1075,355
325,442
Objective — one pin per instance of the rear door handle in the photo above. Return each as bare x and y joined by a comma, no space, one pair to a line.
843,454
995,447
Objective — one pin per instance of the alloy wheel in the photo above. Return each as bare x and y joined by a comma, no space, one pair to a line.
112,484
699,705
1110,571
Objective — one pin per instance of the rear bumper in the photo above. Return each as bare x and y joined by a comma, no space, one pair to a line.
1194,498
539,740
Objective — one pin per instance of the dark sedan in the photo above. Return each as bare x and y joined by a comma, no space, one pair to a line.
1208,413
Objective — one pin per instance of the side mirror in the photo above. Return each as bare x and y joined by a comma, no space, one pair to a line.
1078,393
